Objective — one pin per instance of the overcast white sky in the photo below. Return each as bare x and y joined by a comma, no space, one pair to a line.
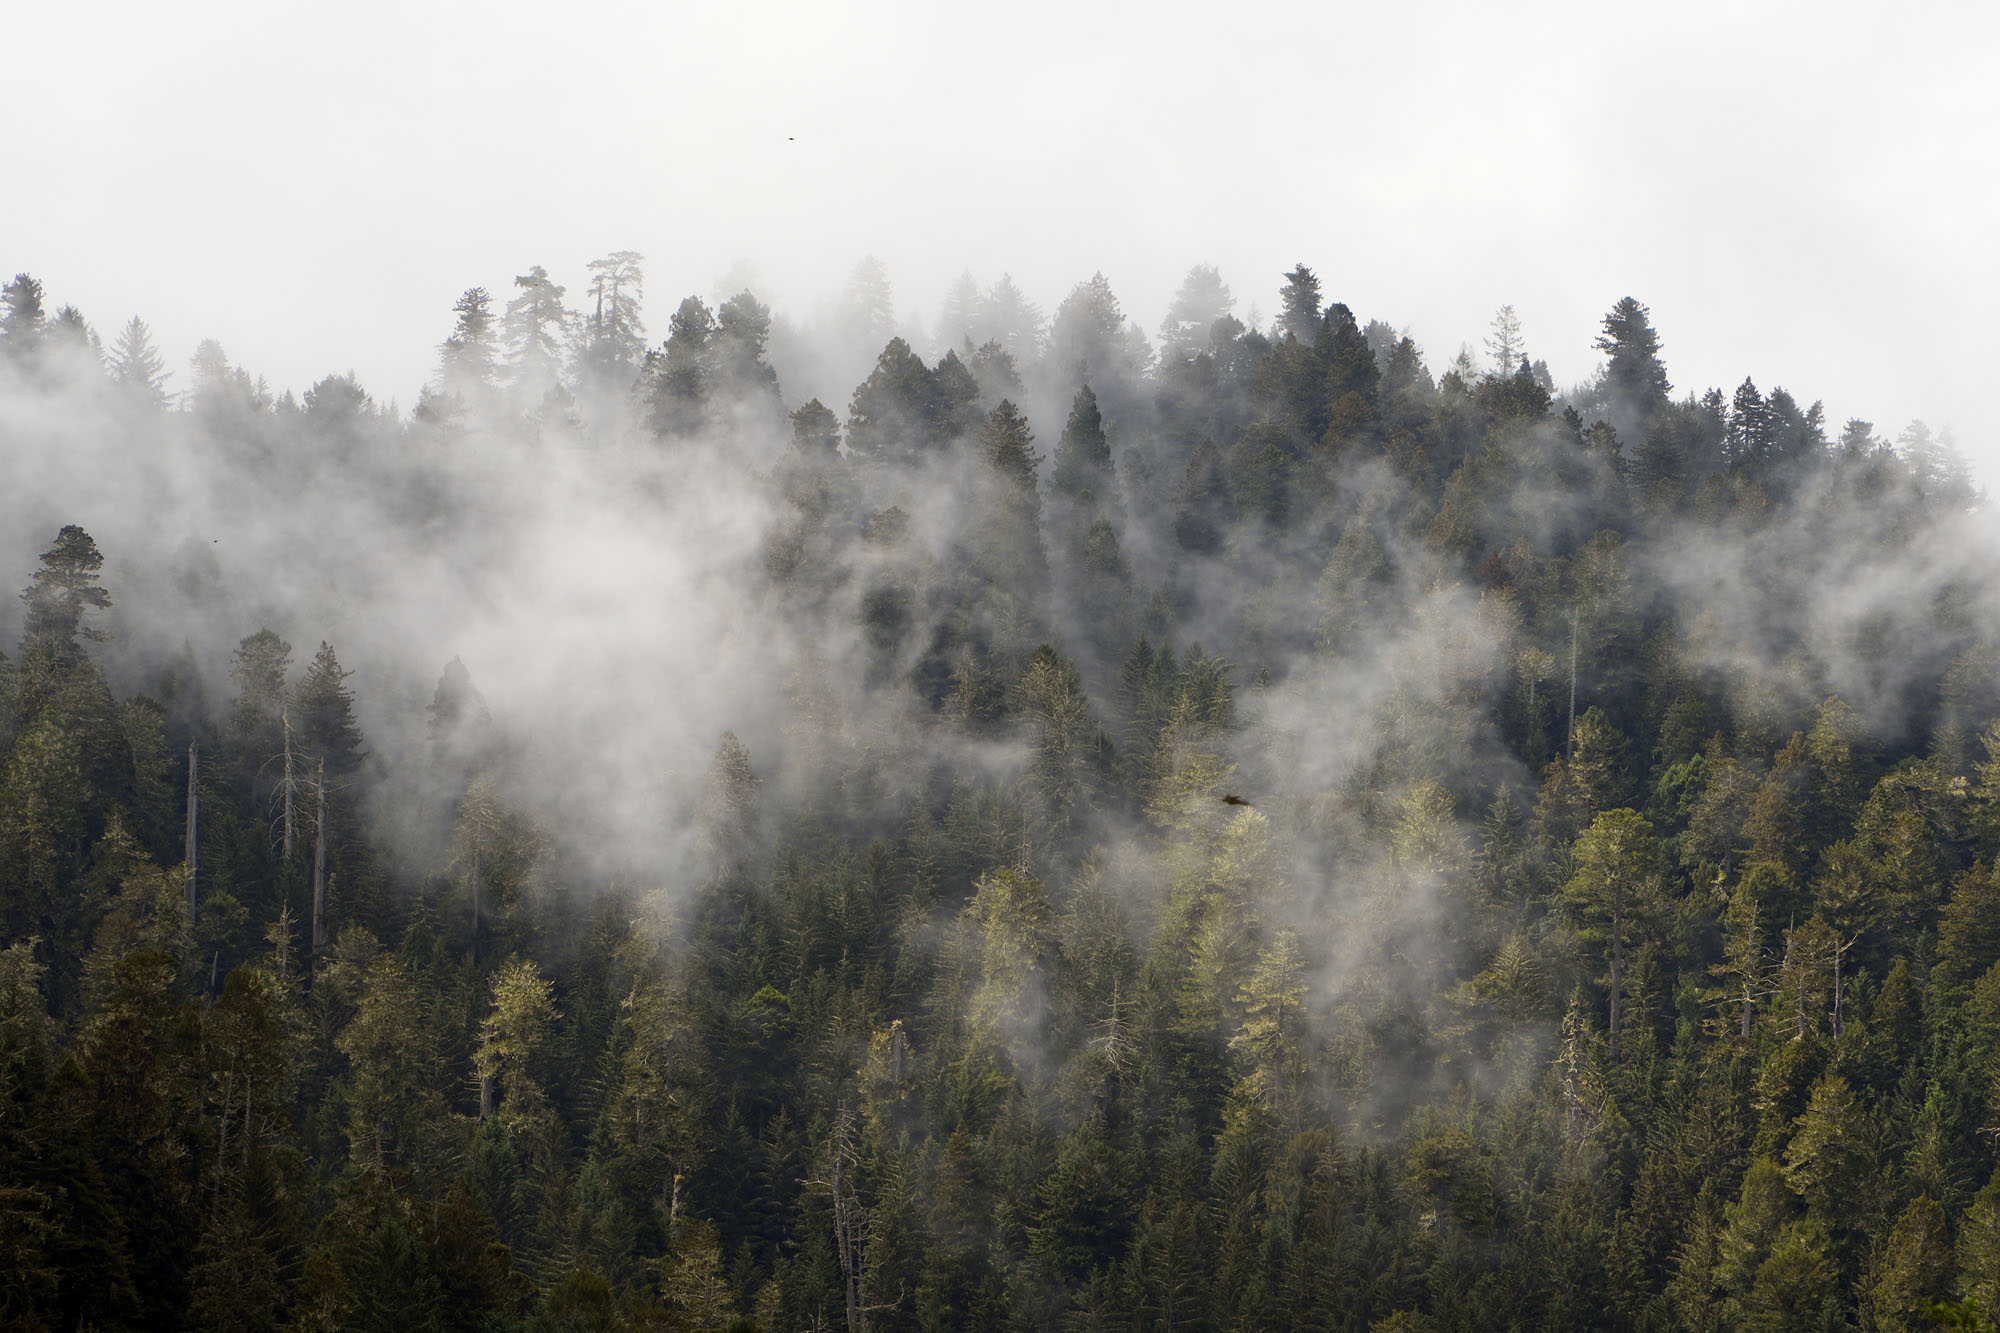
1805,193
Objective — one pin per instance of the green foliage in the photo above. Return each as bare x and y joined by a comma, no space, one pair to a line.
1045,969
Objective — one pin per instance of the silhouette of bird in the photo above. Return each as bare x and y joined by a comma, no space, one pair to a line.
1233,799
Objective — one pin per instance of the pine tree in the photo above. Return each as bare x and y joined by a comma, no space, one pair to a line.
1010,451
680,375
1008,320
137,367
22,318
1504,344
614,334
466,359
1202,300
534,330
324,711
1617,879
1273,1032
1083,454
1299,315
511,1039
739,374
867,315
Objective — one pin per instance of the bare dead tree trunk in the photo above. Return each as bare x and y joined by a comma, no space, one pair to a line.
222,1136
1617,956
291,781
319,868
192,854
1569,745
850,1219
475,904
1839,956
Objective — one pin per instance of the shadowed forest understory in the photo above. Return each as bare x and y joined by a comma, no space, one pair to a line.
1232,829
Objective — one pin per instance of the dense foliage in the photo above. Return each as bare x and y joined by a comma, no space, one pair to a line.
1329,846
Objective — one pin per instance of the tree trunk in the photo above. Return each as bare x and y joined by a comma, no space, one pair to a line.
1617,957
291,803
319,868
475,903
1569,743
192,855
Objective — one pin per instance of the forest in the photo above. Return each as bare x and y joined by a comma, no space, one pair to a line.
1021,823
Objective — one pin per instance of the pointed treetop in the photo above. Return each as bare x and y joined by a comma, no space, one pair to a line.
64,588
1299,316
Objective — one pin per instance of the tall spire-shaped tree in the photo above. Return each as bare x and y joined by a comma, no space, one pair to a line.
137,367
1298,316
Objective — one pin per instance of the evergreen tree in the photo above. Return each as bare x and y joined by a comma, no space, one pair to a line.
1299,313
614,334
324,710
22,318
64,590
1635,379
1083,454
466,359
137,366
1202,300
534,330
680,377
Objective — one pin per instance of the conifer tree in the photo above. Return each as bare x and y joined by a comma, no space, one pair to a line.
324,709
1299,313
137,367
534,331
466,358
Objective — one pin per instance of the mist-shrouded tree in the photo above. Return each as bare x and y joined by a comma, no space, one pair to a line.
534,330
1082,461
906,410
1299,306
64,590
137,367
467,359
1091,340
258,727
457,707
739,372
1350,361
324,714
680,374
224,397
1202,508
1505,344
1203,299
1635,379
614,333
867,318
1051,698
1009,447
726,817
1006,540
816,433
337,405
959,318
1748,440
1007,318
22,317
70,333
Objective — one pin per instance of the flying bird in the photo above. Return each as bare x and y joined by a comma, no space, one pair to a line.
1233,799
